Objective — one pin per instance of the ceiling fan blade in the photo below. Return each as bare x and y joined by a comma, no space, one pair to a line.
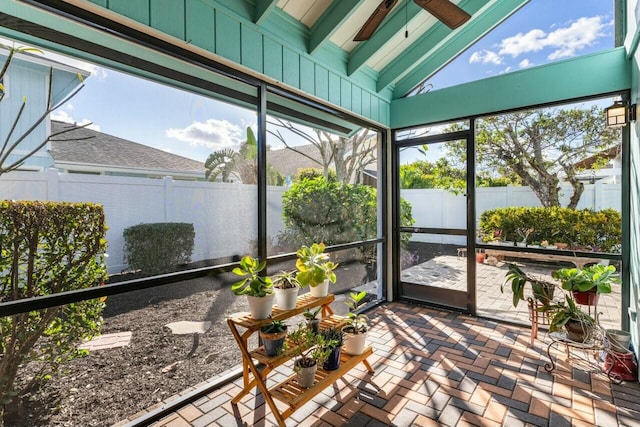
451,15
374,20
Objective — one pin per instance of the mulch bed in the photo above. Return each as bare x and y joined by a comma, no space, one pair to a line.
112,384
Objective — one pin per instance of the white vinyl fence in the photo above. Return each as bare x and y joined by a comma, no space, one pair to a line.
432,208
224,215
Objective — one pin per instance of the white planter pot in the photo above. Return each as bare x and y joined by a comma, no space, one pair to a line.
354,343
286,298
260,307
307,376
322,290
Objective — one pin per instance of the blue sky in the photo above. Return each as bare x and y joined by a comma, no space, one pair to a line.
193,126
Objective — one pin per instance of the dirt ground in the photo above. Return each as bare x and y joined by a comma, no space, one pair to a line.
110,385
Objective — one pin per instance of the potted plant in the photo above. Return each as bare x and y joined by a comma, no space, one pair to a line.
333,338
355,330
311,319
257,288
542,290
309,349
579,326
315,270
286,288
272,335
588,282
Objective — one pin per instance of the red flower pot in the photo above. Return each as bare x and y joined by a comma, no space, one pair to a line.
480,258
585,298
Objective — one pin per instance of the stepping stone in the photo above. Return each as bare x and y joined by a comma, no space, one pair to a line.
103,342
187,328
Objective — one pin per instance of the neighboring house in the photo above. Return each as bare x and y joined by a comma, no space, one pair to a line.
287,161
28,78
610,173
91,152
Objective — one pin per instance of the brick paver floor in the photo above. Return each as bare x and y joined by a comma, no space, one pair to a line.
449,272
435,367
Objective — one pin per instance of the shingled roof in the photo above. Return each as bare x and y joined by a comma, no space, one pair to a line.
287,161
92,148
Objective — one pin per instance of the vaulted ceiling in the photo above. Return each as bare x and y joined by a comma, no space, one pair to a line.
408,47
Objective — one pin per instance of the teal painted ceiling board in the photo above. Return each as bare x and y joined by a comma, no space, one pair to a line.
273,51
394,23
138,10
251,48
168,16
608,71
227,37
263,9
201,30
330,20
421,49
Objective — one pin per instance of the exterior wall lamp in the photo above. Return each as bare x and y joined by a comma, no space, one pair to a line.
619,114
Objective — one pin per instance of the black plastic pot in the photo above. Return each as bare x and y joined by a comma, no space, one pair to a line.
333,361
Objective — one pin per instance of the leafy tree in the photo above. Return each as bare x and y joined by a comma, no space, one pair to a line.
541,148
242,164
12,142
347,156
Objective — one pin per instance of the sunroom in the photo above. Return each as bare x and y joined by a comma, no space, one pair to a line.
211,130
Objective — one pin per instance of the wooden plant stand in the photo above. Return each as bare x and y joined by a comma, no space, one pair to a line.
288,391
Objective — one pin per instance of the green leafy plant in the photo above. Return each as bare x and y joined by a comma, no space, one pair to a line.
285,280
47,248
158,247
308,347
579,325
356,323
333,337
310,315
542,289
274,327
594,277
252,283
314,266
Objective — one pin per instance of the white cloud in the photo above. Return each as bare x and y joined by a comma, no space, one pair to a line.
63,116
565,41
525,63
214,134
485,57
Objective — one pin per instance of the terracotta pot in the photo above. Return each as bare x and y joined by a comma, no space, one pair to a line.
480,258
576,331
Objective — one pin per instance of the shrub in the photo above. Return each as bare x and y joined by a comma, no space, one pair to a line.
47,248
315,210
597,230
159,247
312,173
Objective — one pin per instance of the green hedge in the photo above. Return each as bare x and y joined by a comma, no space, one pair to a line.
47,248
158,247
579,228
